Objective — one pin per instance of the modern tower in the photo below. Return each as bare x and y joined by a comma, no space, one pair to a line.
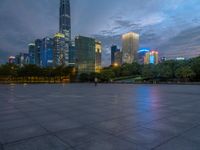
88,54
60,51
31,51
38,47
130,44
46,54
114,50
65,19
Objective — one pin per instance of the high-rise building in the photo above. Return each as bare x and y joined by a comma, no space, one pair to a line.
22,59
31,52
65,19
118,59
88,53
141,55
114,49
151,57
60,50
38,46
98,52
72,54
46,56
130,45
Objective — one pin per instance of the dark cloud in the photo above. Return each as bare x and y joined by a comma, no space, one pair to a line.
185,44
169,25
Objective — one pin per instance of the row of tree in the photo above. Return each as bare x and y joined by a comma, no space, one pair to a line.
13,71
172,70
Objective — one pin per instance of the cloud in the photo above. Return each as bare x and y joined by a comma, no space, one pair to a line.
185,44
160,23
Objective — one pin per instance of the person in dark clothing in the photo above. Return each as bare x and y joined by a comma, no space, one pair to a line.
95,81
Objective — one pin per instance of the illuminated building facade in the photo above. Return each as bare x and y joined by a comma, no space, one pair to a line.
114,50
60,50
38,46
88,53
46,56
31,51
98,52
151,57
141,55
130,45
65,19
72,54
118,58
22,59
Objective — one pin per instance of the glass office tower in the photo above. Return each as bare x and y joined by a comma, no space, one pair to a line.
88,54
130,45
65,19
31,52
60,50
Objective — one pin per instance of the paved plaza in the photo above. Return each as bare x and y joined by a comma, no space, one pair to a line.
106,117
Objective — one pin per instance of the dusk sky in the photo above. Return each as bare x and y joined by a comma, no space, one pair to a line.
171,26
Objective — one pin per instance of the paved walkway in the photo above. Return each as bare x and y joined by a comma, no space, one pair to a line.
106,117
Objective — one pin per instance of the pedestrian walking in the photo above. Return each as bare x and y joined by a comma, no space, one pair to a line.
95,81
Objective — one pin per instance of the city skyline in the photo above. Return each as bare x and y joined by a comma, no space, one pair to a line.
169,26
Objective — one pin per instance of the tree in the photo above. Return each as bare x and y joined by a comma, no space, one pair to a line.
107,75
164,71
130,69
149,71
185,73
8,70
195,66
84,77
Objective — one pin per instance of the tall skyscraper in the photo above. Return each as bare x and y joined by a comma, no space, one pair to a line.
130,45
114,49
88,54
60,50
118,59
38,46
46,56
65,19
72,54
31,52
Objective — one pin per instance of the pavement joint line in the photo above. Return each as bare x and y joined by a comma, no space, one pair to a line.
178,135
24,139
54,134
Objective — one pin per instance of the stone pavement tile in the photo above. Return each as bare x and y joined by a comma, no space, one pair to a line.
38,113
15,123
11,116
112,143
193,134
88,118
54,126
48,118
114,127
146,137
79,136
179,144
20,133
47,142
175,128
